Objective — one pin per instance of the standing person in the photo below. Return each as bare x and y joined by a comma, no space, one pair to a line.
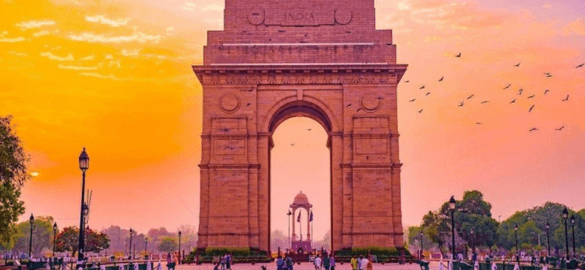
228,261
369,266
280,263
354,263
222,260
169,261
332,262
363,263
318,262
289,262
326,262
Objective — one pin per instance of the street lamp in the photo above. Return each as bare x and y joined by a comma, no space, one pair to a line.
516,236
131,253
32,227
83,166
54,237
180,247
548,237
145,245
422,247
573,226
452,204
565,217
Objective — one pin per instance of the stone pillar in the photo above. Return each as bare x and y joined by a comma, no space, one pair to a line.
308,225
294,234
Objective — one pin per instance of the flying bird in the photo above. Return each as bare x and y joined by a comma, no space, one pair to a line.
412,100
308,129
546,91
461,104
531,107
533,129
559,129
441,79
548,75
422,87
420,111
520,91
348,105
458,56
469,97
566,99
406,81
428,93
513,101
580,66
517,65
531,96
507,86
478,123
485,101
292,144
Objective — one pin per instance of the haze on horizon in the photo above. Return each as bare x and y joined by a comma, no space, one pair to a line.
115,77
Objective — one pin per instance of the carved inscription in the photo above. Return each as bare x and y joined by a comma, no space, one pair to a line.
229,146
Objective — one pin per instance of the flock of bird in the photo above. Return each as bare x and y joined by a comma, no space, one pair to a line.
513,101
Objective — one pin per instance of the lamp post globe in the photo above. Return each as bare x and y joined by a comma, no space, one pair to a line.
32,227
565,217
83,166
452,205
573,229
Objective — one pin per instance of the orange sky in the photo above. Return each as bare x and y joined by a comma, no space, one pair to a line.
115,77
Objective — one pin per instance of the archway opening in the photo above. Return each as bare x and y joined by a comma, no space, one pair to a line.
300,161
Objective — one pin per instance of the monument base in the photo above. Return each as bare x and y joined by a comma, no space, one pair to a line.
301,246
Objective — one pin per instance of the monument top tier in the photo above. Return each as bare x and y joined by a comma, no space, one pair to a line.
299,32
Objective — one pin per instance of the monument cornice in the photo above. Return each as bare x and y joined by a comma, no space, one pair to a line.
296,73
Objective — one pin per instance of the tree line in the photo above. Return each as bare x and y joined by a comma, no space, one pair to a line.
475,228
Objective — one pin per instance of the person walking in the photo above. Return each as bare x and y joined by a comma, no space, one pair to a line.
354,263
280,264
289,262
364,263
222,260
326,262
228,261
359,262
318,263
370,266
332,262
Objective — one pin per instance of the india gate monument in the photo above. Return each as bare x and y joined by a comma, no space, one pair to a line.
321,59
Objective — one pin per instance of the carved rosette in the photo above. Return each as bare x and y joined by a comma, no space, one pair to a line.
229,103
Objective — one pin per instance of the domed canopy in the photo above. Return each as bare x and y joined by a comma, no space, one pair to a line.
301,200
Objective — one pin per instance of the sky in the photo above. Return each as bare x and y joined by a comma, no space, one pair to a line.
115,77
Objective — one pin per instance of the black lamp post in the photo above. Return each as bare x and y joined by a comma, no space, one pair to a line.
573,227
32,227
548,237
516,236
179,259
565,217
130,247
145,245
422,246
83,165
54,237
452,204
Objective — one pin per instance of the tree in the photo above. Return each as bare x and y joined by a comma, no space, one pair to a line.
68,240
155,236
278,239
42,235
168,244
188,237
13,174
472,214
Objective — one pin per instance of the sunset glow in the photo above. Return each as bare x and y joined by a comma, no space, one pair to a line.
115,77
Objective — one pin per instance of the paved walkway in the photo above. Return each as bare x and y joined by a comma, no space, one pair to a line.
302,266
